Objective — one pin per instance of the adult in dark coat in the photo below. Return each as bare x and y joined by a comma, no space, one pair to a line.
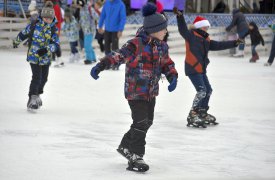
242,29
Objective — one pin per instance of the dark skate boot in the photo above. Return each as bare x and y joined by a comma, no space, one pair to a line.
124,152
33,103
207,118
194,120
136,163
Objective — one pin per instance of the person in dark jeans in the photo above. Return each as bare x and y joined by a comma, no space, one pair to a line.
242,29
272,52
113,15
41,46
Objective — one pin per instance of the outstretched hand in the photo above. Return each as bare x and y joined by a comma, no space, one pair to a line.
176,11
239,41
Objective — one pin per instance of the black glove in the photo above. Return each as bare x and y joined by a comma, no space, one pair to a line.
14,44
239,41
42,51
176,11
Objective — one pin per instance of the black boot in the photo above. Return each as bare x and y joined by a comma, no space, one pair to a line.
207,118
136,163
195,120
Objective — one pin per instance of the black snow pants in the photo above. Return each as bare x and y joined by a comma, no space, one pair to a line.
142,115
39,78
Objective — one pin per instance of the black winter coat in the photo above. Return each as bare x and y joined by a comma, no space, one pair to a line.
255,36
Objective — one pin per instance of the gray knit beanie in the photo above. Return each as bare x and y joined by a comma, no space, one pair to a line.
153,21
48,11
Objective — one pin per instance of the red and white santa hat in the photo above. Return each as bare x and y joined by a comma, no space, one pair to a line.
200,22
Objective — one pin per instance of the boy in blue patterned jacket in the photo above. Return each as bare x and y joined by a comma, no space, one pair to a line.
43,41
146,57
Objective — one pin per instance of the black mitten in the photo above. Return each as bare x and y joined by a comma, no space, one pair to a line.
42,51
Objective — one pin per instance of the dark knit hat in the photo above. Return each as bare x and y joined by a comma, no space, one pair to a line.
47,10
153,21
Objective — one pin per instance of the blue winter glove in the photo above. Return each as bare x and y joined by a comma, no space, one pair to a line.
173,84
95,71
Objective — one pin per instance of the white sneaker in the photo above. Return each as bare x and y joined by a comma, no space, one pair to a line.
77,57
71,59
239,54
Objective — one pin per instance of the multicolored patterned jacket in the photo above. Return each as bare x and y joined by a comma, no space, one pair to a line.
146,59
71,30
86,21
42,38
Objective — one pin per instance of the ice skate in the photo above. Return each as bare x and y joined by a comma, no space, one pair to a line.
124,152
71,58
240,53
33,104
207,118
194,120
57,63
136,163
267,64
39,101
76,57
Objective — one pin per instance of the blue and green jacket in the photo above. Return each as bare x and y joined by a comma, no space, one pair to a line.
42,38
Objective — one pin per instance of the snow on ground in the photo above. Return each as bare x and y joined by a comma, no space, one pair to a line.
76,132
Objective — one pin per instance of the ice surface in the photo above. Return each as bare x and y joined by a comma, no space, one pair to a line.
76,132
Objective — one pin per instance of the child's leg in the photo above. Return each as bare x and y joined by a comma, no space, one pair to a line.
134,139
253,50
44,77
36,79
209,90
198,82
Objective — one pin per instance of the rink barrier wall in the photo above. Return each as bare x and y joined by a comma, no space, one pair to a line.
10,27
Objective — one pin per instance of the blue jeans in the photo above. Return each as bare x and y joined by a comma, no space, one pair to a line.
204,91
241,36
89,51
73,46
253,50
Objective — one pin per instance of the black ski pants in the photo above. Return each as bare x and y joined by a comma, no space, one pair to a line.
39,78
142,115
110,40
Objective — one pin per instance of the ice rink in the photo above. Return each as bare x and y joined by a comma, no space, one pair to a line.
75,134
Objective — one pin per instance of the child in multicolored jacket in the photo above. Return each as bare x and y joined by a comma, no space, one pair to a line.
71,31
43,41
198,44
146,57
88,27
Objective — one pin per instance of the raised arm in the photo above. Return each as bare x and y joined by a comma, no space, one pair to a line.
182,27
